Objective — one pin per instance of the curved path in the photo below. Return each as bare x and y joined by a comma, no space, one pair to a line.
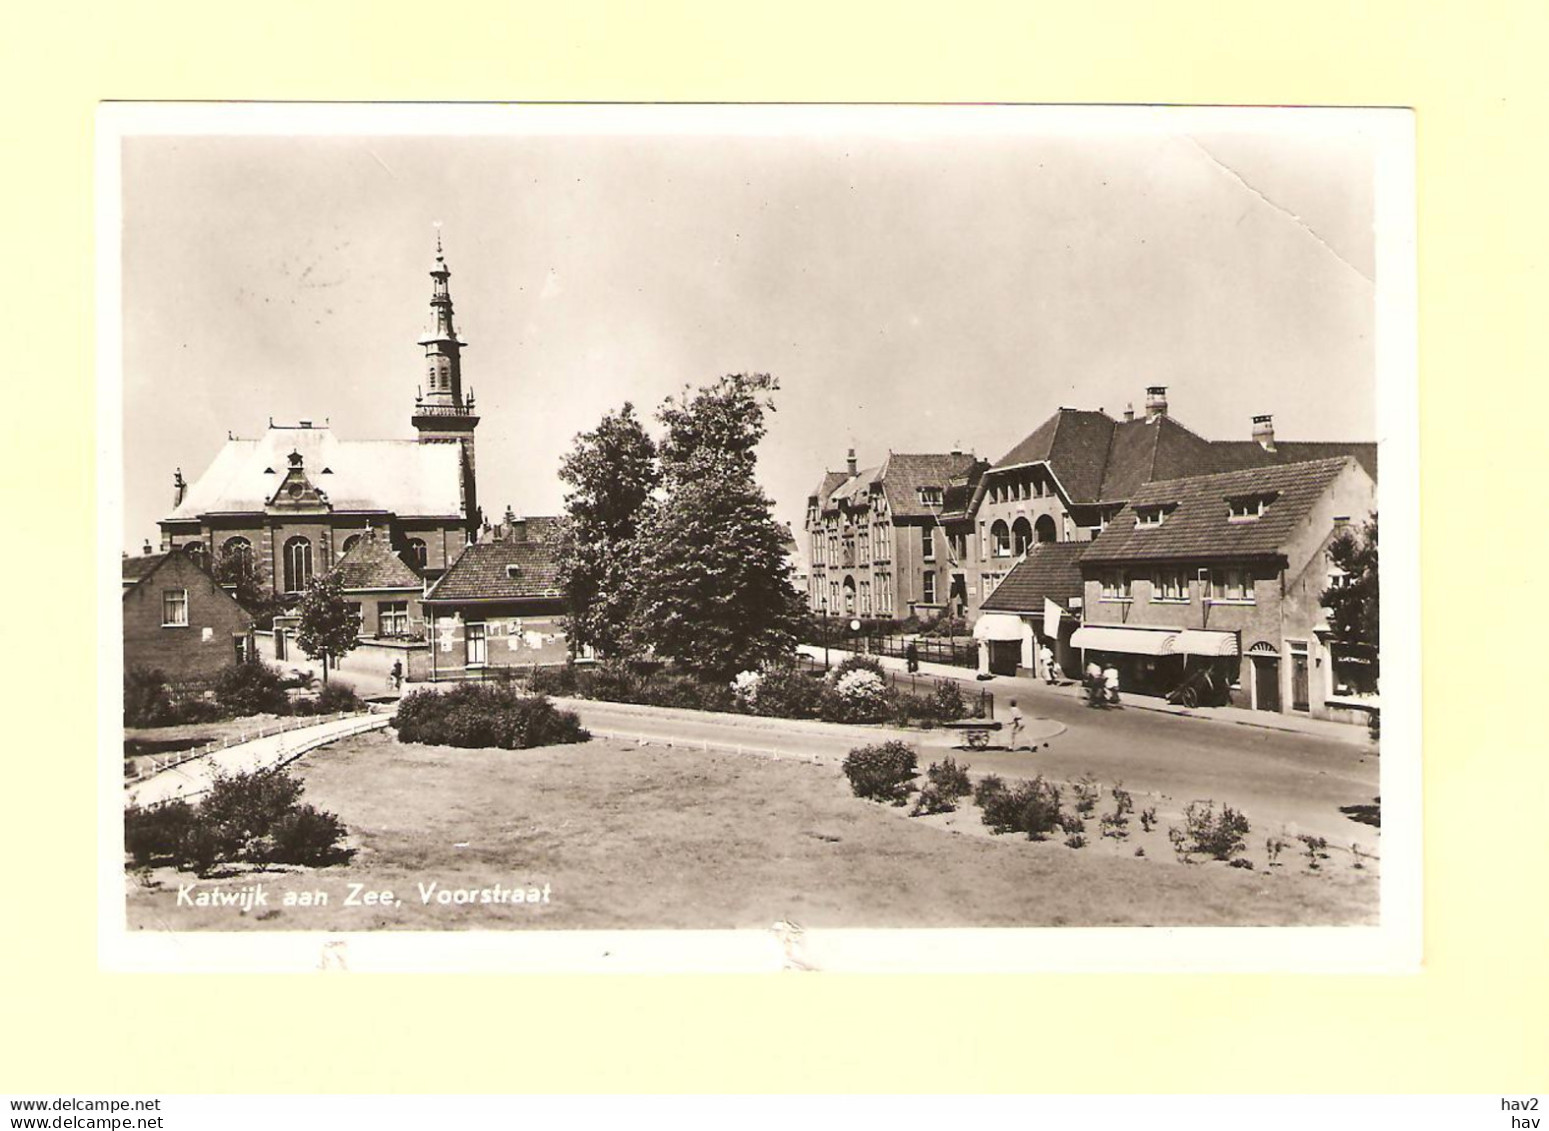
193,777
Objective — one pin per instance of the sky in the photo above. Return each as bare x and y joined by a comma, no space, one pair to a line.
911,289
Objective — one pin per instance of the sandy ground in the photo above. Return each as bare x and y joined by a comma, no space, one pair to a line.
613,834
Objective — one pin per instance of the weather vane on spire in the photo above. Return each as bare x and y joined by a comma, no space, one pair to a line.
436,224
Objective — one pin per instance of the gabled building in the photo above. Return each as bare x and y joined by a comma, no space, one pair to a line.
382,590
1072,474
499,605
876,547
1227,571
1015,620
179,620
295,500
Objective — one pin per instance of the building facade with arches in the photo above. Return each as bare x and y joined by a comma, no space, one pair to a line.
295,500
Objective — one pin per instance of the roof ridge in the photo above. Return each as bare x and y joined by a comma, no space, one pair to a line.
1266,469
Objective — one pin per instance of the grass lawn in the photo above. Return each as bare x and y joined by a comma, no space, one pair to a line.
626,836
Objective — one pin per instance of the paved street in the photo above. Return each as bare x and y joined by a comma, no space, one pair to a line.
1275,777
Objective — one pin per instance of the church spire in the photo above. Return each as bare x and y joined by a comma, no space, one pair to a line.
442,413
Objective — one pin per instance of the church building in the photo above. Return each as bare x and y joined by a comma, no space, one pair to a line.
298,498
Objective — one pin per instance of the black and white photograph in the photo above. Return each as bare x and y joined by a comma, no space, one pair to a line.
758,537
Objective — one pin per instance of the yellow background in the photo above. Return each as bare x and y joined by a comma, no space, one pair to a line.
1477,1019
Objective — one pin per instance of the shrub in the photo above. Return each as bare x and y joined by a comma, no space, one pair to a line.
553,681
253,817
1124,804
745,687
1115,824
151,834
1148,818
859,663
1072,823
1030,807
476,715
1087,793
1075,840
933,799
904,709
881,772
946,702
1273,847
147,698
989,785
337,697
789,694
950,778
1315,848
1218,835
251,689
862,696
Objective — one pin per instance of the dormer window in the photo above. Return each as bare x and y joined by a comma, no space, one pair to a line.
513,572
1151,515
930,496
269,471
1248,508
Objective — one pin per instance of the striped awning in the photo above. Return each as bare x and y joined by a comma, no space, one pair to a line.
999,626
1197,642
1134,641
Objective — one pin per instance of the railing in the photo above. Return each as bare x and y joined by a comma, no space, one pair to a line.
444,410
157,764
959,653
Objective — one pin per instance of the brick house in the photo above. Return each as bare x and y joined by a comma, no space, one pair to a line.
1068,478
382,590
295,500
875,543
1228,571
499,604
179,620
1011,624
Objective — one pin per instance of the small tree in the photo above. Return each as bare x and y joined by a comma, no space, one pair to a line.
237,572
328,628
1353,602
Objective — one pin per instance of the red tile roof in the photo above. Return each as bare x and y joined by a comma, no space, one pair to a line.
504,568
372,564
1051,569
1199,528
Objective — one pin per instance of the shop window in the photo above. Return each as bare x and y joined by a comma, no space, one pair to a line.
1354,670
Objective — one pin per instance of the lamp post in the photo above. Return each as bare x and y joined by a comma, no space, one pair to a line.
824,607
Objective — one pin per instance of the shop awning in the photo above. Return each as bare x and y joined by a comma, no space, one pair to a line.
1134,641
1197,642
999,626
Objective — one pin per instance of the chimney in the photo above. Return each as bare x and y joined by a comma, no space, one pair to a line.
850,461
1156,401
1264,431
1129,412
146,549
179,489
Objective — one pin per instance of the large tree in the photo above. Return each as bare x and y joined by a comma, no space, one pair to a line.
329,628
610,473
1352,601
712,583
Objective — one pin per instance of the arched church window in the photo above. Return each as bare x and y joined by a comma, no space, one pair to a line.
349,544
196,550
416,554
238,549
298,564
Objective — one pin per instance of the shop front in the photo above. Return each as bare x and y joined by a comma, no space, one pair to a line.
1157,661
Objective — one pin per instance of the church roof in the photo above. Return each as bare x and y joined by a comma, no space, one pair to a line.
371,564
402,477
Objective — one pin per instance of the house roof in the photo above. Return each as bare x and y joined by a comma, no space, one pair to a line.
1198,526
402,477
138,568
900,477
1101,460
372,564
1050,569
831,480
503,568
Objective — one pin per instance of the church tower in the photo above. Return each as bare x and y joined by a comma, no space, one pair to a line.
442,414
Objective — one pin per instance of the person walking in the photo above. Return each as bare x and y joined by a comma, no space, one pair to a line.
1111,683
1015,742
1050,673
396,676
